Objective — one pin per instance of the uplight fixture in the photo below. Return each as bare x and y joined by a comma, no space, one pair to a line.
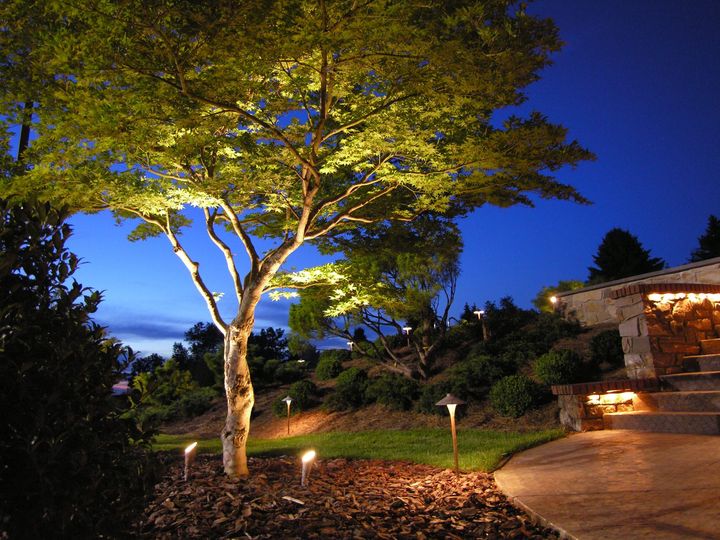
307,461
190,452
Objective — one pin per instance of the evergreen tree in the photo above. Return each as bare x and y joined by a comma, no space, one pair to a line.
621,255
709,242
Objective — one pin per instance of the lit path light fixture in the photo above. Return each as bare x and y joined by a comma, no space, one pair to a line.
485,330
307,461
406,331
350,345
288,401
190,452
451,402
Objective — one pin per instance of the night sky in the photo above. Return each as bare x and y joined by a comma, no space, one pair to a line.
637,83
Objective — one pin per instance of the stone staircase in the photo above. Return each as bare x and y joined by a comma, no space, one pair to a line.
689,402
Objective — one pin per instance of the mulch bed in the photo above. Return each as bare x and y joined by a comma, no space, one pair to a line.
344,499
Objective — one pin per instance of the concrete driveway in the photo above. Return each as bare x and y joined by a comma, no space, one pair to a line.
620,484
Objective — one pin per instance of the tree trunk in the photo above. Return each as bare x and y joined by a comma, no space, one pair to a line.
240,398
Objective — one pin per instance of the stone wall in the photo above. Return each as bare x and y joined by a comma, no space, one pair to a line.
663,323
597,305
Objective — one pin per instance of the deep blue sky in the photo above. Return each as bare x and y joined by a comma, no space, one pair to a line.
637,83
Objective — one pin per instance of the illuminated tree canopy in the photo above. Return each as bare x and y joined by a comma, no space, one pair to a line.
291,121
390,276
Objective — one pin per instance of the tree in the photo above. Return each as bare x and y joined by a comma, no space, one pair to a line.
621,255
284,121
542,299
269,344
709,242
204,339
70,468
145,364
393,276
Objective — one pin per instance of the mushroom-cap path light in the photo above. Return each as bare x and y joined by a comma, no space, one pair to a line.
288,401
451,402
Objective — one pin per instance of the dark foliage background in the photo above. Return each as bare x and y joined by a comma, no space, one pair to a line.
70,466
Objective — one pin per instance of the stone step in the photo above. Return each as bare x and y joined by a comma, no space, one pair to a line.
710,346
705,380
694,401
700,423
702,362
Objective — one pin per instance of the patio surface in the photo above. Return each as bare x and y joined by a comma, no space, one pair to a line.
620,484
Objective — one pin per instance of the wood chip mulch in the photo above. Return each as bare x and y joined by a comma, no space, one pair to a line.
344,499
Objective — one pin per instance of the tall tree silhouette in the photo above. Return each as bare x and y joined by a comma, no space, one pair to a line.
709,242
621,255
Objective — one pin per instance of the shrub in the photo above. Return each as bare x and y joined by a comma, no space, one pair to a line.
560,367
514,395
329,366
288,372
473,377
430,395
196,402
349,390
69,465
607,347
269,367
303,394
392,390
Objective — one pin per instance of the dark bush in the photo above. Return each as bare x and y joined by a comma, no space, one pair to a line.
288,372
349,390
269,367
329,366
71,465
607,347
429,395
560,367
303,394
514,395
473,377
196,402
393,391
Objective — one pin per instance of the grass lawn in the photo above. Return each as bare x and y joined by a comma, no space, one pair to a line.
479,450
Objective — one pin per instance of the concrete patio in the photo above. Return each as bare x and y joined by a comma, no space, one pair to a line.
620,484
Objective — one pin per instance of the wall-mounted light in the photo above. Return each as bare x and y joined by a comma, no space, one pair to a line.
452,402
611,398
692,297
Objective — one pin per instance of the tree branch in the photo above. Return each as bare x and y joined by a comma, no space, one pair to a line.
222,246
240,232
194,269
347,215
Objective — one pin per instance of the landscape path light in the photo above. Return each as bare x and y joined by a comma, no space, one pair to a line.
307,460
452,402
406,331
350,345
190,452
485,330
288,400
